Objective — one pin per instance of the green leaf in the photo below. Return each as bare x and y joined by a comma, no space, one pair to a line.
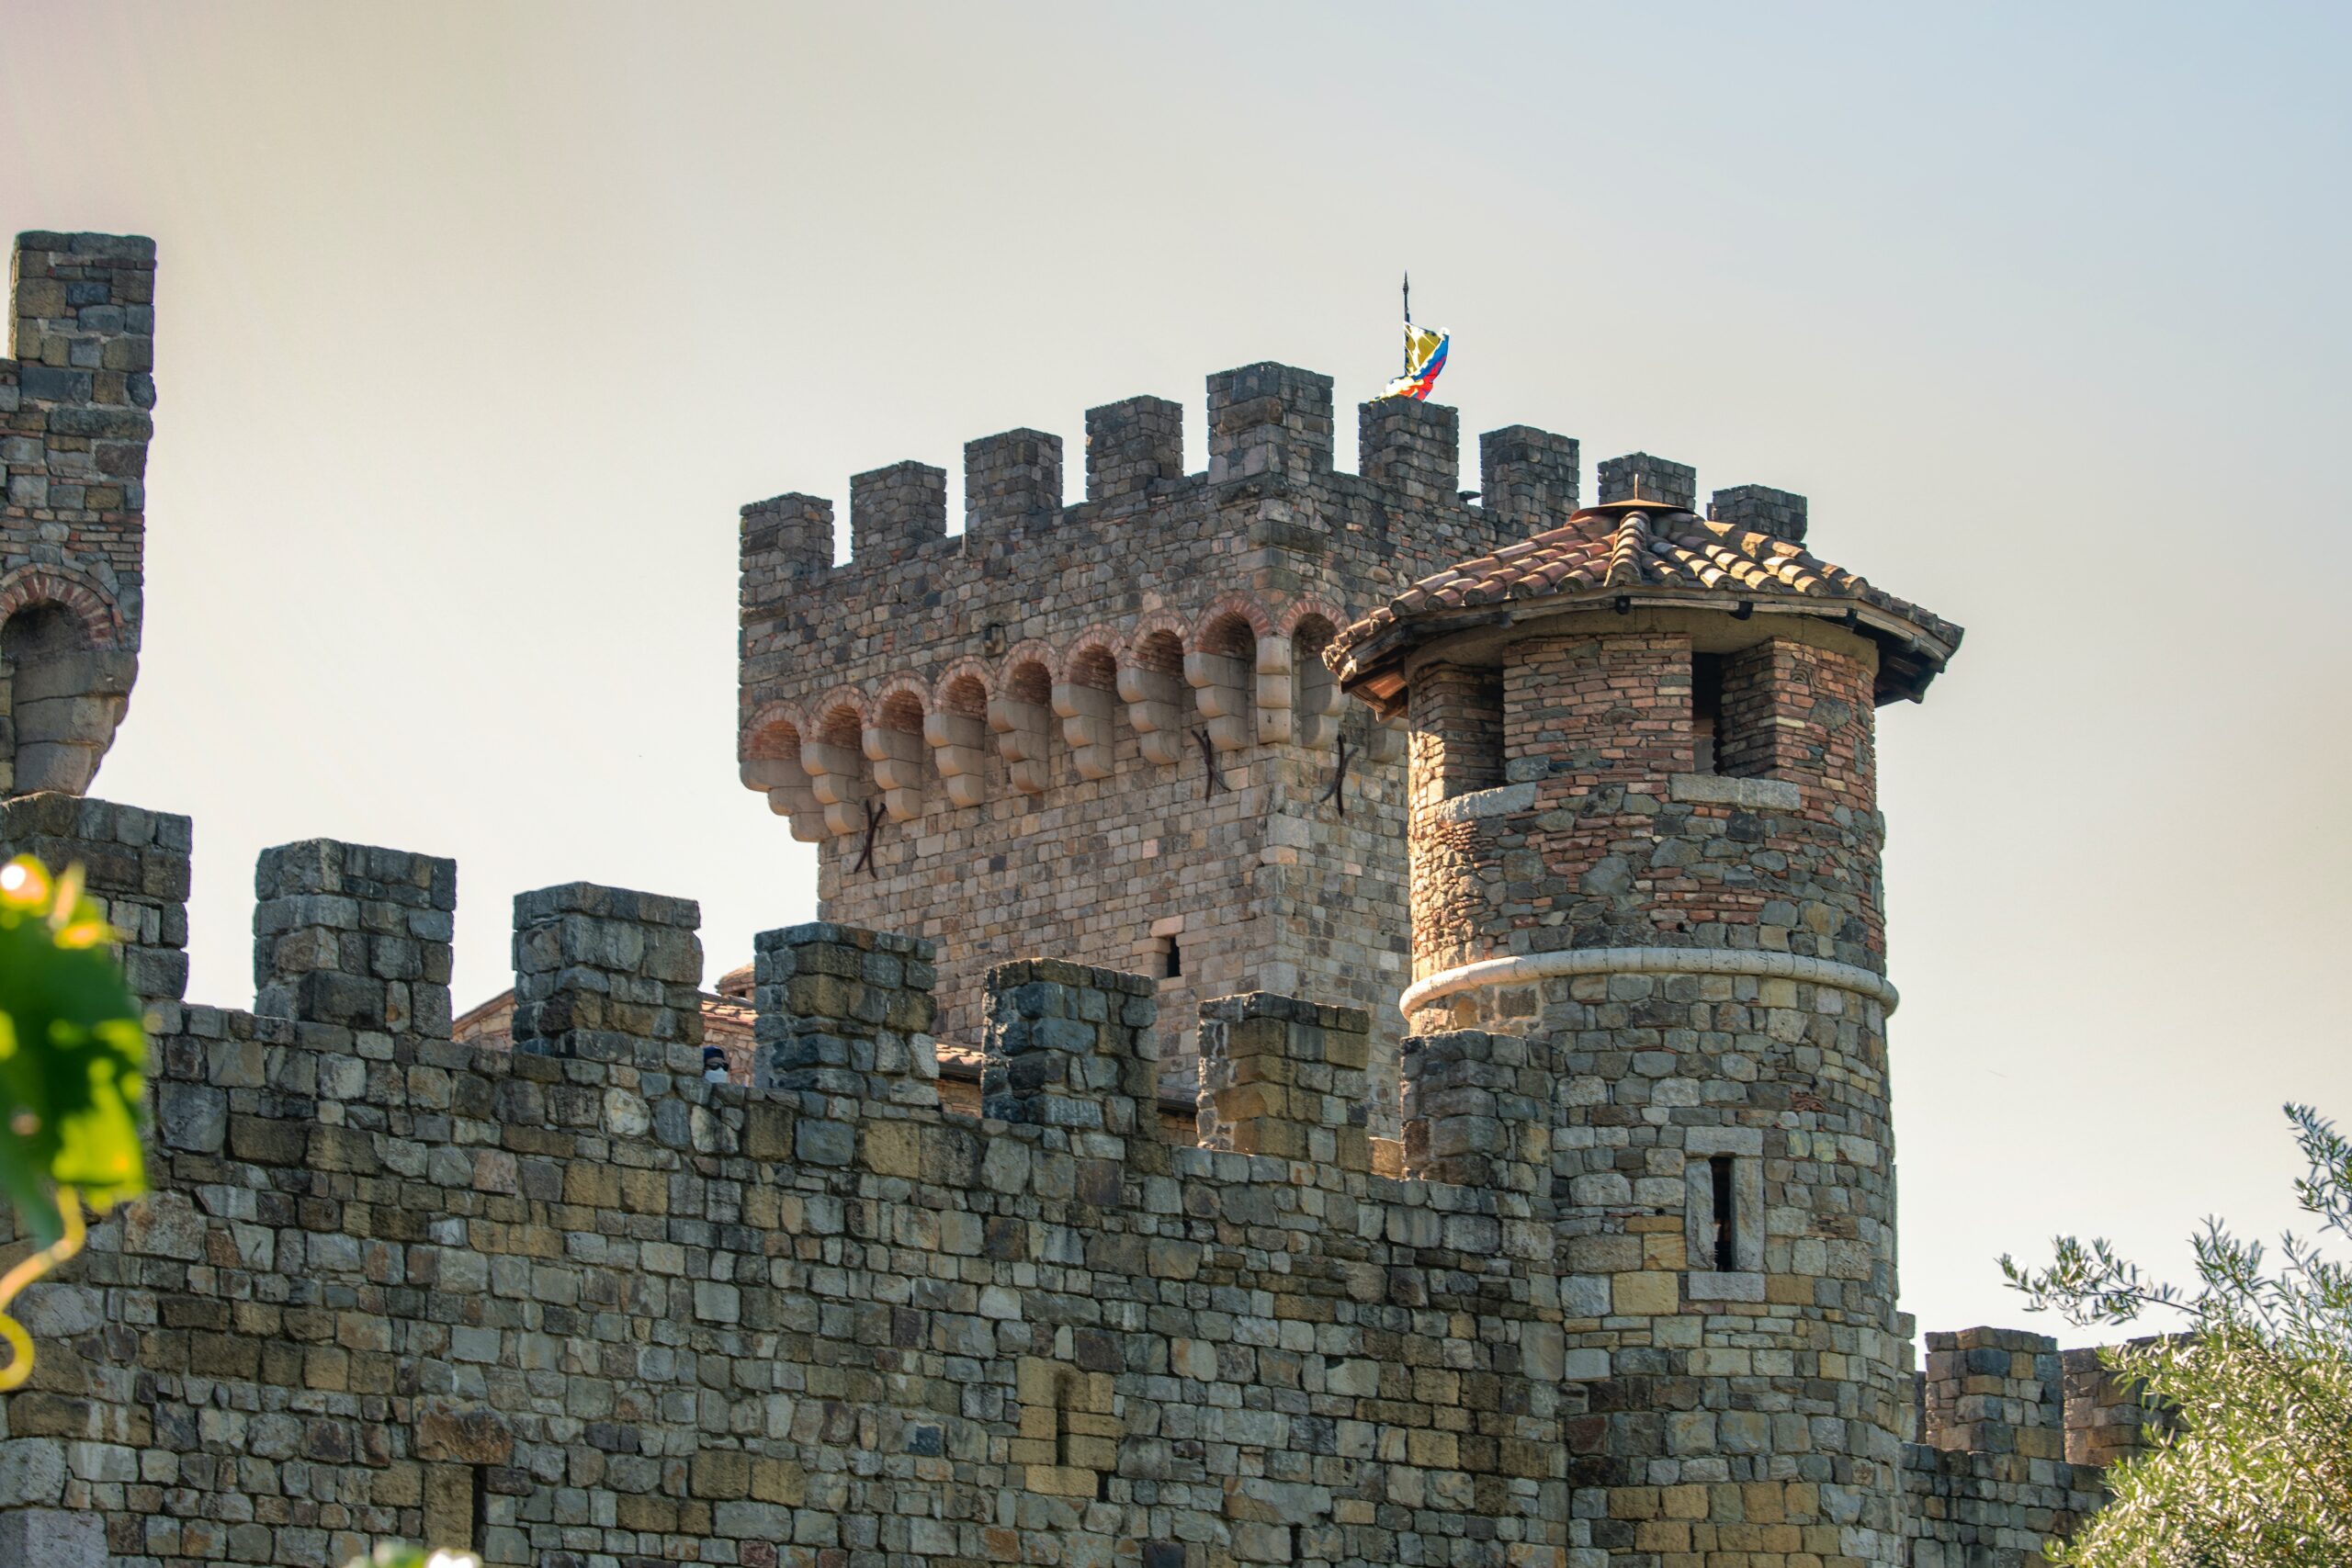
72,1052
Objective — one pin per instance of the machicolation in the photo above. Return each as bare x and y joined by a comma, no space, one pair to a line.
1207,789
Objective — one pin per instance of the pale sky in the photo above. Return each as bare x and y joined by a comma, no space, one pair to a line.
477,324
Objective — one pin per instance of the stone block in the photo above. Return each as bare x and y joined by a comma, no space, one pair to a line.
54,1538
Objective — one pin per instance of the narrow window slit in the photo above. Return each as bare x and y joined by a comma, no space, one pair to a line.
1727,1229
1706,711
480,1527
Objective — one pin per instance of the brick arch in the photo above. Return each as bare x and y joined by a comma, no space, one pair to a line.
1100,637
1300,609
826,710
1028,651
962,675
763,731
91,606
890,707
1152,632
1228,607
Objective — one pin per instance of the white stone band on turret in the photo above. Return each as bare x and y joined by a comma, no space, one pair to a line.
1649,961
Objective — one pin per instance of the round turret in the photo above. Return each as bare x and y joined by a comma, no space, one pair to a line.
1644,834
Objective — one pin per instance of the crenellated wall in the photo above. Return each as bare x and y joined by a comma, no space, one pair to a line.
74,395
571,1305
2004,1463
1104,732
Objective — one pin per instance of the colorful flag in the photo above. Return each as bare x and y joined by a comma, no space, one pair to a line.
1424,357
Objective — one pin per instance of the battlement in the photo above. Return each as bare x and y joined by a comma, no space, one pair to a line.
1063,1294
352,946
2014,1434
519,1300
74,395
1132,683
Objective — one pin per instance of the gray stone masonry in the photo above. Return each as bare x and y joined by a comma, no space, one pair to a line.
1474,1106
1132,446
610,974
1269,421
1995,1390
350,936
52,1537
1637,476
580,1309
896,510
135,866
1285,1077
1779,513
845,1012
994,738
74,396
1991,1482
1011,477
2107,1417
1528,475
1410,449
572,1303
1070,1047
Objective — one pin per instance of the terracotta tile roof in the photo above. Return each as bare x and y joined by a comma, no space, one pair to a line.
1640,551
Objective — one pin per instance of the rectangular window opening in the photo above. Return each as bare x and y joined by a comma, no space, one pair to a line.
1727,1228
1172,959
1457,724
480,1527
1706,711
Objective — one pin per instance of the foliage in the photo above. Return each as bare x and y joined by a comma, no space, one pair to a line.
399,1554
72,1060
2254,1465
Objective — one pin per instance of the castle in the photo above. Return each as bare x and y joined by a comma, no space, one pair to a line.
1551,1227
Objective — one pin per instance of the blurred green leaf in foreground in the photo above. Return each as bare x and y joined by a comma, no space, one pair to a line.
73,1067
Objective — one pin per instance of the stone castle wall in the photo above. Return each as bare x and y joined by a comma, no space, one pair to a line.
74,395
1104,731
571,1305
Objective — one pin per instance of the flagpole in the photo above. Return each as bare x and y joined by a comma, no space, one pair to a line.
1408,323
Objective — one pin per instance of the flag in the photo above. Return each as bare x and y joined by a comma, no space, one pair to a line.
1424,357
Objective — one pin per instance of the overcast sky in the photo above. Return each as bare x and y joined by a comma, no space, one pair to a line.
477,324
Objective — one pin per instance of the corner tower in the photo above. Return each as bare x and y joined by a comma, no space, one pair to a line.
74,396
1105,731
1644,824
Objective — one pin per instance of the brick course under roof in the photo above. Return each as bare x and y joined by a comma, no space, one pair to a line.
1654,555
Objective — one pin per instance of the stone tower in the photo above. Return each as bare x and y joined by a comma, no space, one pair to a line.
1104,732
73,426
1644,836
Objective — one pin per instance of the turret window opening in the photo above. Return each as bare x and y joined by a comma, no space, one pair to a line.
1457,722
1719,1171
1724,1210
1706,712
1172,959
